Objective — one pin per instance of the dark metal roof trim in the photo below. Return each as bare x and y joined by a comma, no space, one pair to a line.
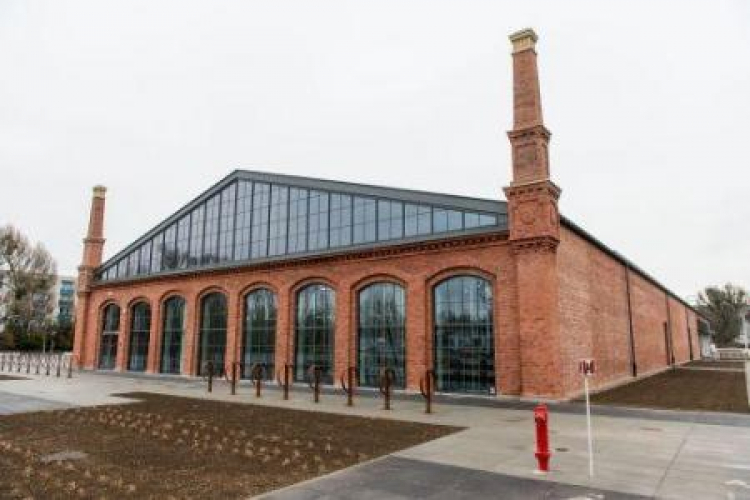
623,260
447,201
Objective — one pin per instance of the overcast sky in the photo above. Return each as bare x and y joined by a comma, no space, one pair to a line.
648,104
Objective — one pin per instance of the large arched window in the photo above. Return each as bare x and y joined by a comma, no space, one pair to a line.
140,324
315,330
464,337
259,342
381,333
213,334
172,332
110,333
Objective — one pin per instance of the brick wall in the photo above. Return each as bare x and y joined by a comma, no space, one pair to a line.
418,270
594,316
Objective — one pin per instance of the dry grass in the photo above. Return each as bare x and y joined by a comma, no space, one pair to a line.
683,389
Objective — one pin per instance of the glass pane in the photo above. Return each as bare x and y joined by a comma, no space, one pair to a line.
169,256
341,220
259,231
315,331
297,220
172,334
278,228
210,253
381,333
464,335
244,220
365,218
318,229
259,344
183,241
197,222
108,341
213,332
226,223
139,337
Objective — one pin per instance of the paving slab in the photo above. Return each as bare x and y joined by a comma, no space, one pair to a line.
13,403
396,478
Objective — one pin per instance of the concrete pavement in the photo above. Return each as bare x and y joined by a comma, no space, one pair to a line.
636,455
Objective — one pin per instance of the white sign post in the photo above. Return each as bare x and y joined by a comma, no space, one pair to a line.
587,368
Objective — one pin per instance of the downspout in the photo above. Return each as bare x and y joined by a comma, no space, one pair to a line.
690,338
669,330
633,362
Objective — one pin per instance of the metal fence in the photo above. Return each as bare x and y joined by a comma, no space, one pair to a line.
50,364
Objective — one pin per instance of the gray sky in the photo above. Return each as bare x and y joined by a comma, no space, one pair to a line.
648,103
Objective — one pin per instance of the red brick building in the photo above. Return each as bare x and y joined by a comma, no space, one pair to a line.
494,296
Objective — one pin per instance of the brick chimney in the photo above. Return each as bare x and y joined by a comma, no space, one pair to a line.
93,246
534,227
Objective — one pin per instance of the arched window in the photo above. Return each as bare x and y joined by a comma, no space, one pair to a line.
464,336
381,333
259,342
110,332
213,334
316,305
140,324
172,332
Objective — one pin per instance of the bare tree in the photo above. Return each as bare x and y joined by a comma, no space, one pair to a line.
30,274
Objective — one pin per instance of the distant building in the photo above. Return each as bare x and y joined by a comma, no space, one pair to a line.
65,299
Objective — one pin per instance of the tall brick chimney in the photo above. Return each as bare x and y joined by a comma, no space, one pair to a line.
534,227
93,246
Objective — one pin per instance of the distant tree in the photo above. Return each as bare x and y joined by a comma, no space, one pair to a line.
30,274
723,307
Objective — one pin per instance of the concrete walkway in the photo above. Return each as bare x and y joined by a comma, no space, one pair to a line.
637,455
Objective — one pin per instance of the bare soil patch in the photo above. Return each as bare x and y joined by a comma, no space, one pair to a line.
710,363
172,447
683,389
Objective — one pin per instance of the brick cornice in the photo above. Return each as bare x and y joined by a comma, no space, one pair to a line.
373,253
529,133
540,244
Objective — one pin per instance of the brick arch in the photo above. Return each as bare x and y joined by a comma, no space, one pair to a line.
451,272
255,285
136,300
371,279
304,282
172,292
209,290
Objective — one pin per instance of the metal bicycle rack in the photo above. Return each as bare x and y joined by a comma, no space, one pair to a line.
314,373
284,383
348,385
427,388
387,377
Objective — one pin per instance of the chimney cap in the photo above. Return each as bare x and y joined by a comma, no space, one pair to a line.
99,191
523,40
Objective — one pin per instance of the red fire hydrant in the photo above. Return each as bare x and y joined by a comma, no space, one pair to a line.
541,419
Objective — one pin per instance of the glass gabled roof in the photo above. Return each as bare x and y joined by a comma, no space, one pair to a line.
250,217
